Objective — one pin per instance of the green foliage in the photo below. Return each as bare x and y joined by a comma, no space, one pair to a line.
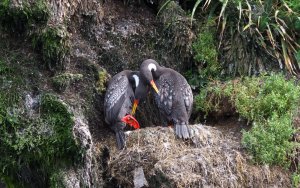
298,56
18,19
248,27
269,142
205,52
205,55
293,4
258,101
62,81
52,43
296,180
269,102
208,99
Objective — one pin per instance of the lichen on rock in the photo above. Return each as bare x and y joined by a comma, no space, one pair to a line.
64,80
103,77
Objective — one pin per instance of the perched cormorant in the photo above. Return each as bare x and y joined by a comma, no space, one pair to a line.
173,97
118,103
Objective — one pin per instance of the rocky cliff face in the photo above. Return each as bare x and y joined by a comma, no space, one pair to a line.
57,58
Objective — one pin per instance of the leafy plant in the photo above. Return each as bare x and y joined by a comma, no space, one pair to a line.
269,142
296,180
254,33
205,55
267,101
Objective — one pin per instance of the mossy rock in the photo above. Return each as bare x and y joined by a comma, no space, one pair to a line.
33,149
20,18
62,81
53,44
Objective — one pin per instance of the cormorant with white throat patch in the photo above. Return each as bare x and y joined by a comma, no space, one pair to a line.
173,95
118,101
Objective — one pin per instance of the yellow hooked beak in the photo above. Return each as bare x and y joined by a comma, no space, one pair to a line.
135,104
154,86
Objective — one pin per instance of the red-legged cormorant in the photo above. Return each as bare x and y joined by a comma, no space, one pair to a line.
118,101
173,96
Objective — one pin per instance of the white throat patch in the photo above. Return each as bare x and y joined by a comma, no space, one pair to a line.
136,79
151,67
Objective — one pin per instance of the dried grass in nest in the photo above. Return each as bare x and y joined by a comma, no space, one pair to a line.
210,159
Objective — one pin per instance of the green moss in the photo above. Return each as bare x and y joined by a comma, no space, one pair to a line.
31,18
53,45
32,147
37,146
103,77
62,81
55,113
18,19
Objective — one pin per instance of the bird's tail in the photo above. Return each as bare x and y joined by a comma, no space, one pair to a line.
120,135
183,130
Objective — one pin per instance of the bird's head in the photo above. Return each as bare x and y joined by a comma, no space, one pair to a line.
140,90
130,120
149,68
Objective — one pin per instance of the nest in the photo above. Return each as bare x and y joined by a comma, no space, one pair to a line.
209,159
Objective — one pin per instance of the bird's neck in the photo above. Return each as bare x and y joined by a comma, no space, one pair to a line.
158,72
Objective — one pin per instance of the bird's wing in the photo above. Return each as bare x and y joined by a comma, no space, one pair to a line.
166,95
115,96
188,98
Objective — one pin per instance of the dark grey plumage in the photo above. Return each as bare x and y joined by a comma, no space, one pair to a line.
175,98
118,102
